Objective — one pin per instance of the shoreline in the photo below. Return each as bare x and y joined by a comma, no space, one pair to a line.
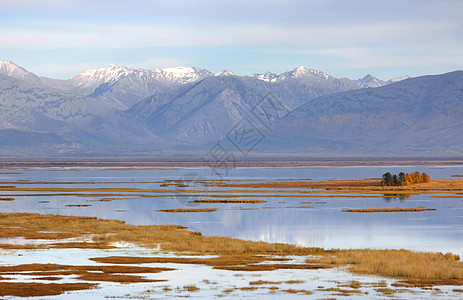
251,163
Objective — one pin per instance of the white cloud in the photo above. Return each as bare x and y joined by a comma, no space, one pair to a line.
115,36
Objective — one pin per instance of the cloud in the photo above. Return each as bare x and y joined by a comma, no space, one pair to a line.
116,35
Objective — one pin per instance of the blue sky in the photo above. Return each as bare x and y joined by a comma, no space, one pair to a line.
342,38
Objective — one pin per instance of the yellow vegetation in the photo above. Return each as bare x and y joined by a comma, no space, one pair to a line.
397,263
393,209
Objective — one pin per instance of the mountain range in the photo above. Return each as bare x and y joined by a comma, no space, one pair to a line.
119,110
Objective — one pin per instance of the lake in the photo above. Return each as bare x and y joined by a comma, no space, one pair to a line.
138,194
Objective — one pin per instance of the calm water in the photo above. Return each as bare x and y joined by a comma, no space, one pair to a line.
281,219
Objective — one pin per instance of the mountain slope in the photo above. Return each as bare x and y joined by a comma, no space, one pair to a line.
123,87
26,107
203,112
414,116
370,82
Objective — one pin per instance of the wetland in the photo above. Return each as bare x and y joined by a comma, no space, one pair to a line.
260,232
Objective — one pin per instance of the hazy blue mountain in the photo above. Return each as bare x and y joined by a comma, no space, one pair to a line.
46,113
117,110
204,111
370,81
421,116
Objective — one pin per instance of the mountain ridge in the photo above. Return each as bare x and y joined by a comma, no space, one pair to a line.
126,110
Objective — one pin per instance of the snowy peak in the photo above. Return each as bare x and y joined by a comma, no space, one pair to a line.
397,79
224,73
11,69
183,74
303,72
370,81
300,72
110,73
113,73
267,77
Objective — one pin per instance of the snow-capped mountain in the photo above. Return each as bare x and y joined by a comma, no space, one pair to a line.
126,109
11,69
123,87
397,79
370,81
323,82
299,72
38,111
418,116
224,73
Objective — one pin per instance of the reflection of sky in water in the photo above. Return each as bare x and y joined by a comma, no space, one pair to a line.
220,280
324,225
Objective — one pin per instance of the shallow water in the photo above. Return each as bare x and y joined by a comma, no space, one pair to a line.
281,219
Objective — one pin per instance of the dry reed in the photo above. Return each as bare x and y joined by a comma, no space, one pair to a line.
387,210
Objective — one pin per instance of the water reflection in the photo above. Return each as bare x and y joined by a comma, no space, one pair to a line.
401,197
279,220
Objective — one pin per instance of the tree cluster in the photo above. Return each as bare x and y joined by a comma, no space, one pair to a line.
404,179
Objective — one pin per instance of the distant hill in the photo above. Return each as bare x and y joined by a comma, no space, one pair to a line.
124,111
419,116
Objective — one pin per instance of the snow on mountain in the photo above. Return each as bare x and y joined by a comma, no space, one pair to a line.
299,72
11,69
27,107
183,75
123,87
224,73
189,108
417,116
370,81
397,79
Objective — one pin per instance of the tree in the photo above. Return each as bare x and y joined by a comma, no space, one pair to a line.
408,179
387,179
426,178
402,178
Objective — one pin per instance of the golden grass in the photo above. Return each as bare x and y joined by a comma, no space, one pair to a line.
413,268
169,237
120,274
387,210
191,288
403,264
34,289
273,267
341,292
229,201
370,186
361,186
299,292
264,282
188,210
224,262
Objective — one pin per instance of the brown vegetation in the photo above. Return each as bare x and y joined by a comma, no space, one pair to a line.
6,199
398,264
413,268
229,201
34,289
352,186
188,210
299,292
387,210
170,237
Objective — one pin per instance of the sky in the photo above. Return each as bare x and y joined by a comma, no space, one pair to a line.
388,39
